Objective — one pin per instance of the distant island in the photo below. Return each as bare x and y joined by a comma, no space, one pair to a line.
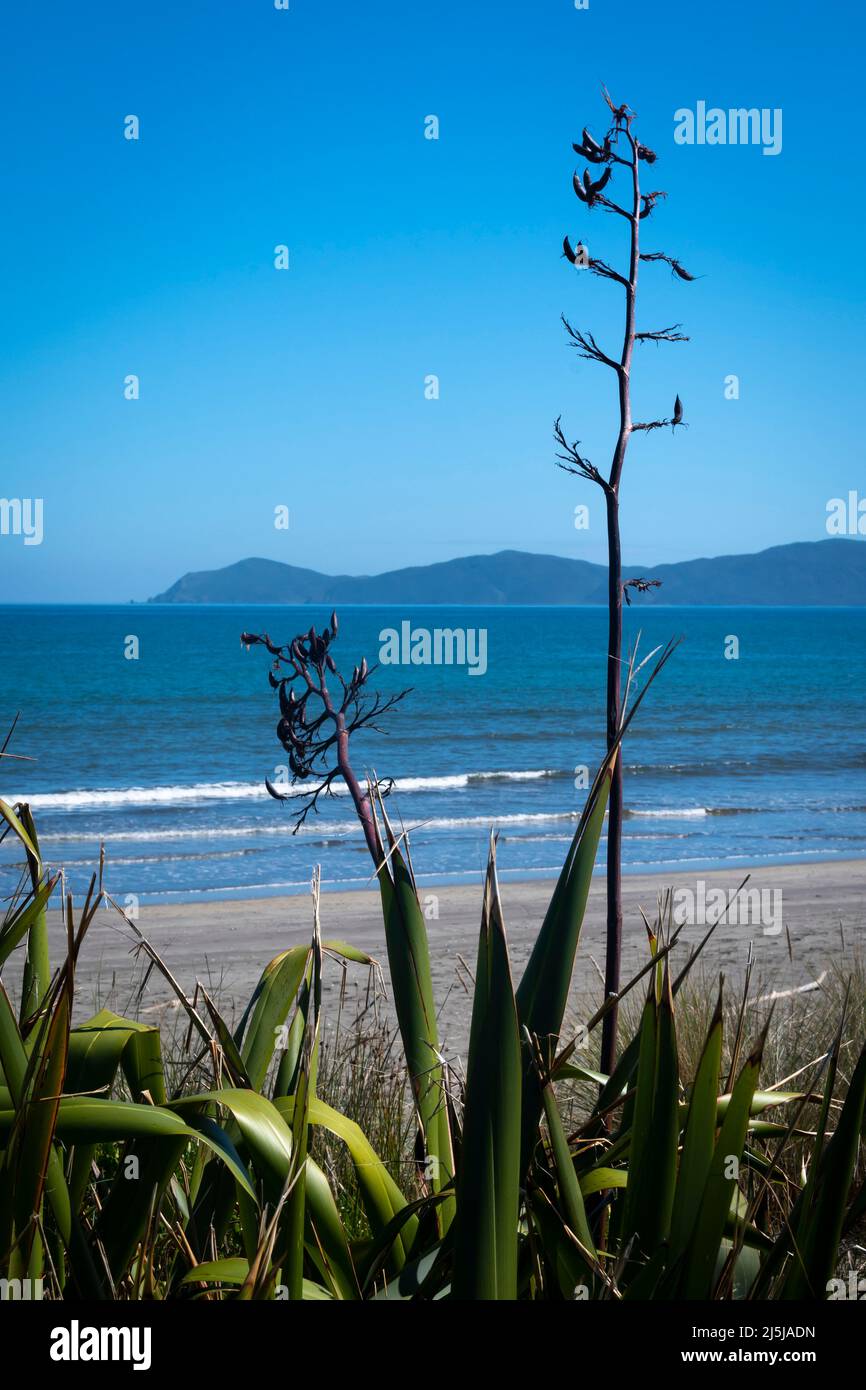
828,572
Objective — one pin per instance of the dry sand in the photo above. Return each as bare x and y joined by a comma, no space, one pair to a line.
225,944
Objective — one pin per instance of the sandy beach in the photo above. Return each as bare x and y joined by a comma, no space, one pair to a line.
226,944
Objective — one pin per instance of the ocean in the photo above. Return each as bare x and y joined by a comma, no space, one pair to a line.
162,756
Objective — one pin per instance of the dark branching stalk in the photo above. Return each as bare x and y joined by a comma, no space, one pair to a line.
674,264
641,586
662,335
618,148
317,723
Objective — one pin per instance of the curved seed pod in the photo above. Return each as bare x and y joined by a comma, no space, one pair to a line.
275,792
576,255
600,183
578,188
334,627
592,189
593,148
331,663
363,671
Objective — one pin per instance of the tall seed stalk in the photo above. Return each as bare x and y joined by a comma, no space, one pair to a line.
590,193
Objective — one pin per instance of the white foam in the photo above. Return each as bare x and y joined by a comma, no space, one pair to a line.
312,827
87,798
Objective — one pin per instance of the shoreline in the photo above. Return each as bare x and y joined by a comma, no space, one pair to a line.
819,924
738,866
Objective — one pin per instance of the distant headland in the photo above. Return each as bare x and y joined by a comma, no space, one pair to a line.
827,572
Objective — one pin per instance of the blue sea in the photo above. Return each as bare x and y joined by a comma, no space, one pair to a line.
730,762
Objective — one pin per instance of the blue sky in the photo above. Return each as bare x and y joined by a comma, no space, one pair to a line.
411,257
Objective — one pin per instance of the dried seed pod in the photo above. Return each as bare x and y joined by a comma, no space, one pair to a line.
272,791
592,145
580,256
588,190
602,182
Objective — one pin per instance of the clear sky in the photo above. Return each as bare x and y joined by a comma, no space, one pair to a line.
411,257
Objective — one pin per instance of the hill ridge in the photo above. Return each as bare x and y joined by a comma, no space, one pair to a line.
803,573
